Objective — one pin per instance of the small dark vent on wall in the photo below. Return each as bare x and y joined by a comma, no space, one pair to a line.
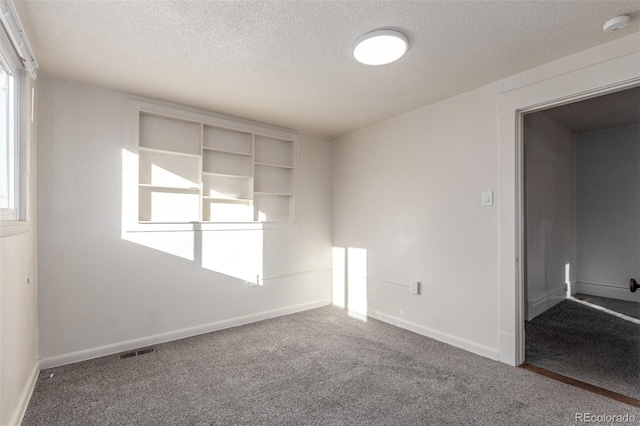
136,352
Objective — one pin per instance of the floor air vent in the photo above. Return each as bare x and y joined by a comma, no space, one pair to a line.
137,352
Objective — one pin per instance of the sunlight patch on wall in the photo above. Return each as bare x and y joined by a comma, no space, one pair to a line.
237,254
158,189
129,190
357,282
168,206
339,282
153,171
567,279
231,211
180,244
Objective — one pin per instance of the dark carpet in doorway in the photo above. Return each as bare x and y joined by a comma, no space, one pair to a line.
624,307
588,345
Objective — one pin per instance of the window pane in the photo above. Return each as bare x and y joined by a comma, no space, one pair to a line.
7,140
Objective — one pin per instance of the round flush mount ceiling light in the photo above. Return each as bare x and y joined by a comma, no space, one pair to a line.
380,47
616,23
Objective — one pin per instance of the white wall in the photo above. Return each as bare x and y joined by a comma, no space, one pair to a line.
18,303
608,206
103,290
408,192
550,212
415,208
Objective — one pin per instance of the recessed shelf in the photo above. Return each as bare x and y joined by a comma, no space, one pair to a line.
227,210
167,170
273,207
273,180
273,151
282,166
228,200
167,152
170,188
283,194
227,164
226,175
226,151
225,139
168,205
166,133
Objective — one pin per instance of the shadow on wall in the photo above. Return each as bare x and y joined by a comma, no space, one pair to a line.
237,253
350,280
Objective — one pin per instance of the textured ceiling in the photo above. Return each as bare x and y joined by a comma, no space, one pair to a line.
603,112
290,63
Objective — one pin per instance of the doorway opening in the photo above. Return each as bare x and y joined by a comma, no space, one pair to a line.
581,223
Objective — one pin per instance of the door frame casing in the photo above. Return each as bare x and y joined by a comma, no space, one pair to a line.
609,70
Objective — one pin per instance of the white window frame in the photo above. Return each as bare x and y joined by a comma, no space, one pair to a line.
9,60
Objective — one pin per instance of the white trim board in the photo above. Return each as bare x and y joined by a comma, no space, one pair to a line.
437,335
156,339
25,396
607,289
545,301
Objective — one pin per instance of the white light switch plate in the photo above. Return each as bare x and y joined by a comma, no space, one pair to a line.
487,198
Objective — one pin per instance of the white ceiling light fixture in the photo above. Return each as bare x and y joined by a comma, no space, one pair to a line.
380,47
616,23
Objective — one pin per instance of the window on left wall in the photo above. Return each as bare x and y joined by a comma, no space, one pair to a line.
11,78
9,166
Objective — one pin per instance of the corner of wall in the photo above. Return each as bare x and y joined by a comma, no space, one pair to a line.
25,396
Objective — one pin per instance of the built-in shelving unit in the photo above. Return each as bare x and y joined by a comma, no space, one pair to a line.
195,171
274,171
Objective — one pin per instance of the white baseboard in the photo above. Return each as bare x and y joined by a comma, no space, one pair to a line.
612,290
546,301
508,349
434,334
25,396
176,335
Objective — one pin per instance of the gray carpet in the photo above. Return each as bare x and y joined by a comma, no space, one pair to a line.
314,367
630,309
589,345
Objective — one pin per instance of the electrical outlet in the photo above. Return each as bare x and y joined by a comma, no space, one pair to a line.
414,288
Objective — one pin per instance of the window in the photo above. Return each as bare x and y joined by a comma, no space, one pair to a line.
16,62
9,146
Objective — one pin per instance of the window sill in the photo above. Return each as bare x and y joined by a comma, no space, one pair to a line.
9,228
